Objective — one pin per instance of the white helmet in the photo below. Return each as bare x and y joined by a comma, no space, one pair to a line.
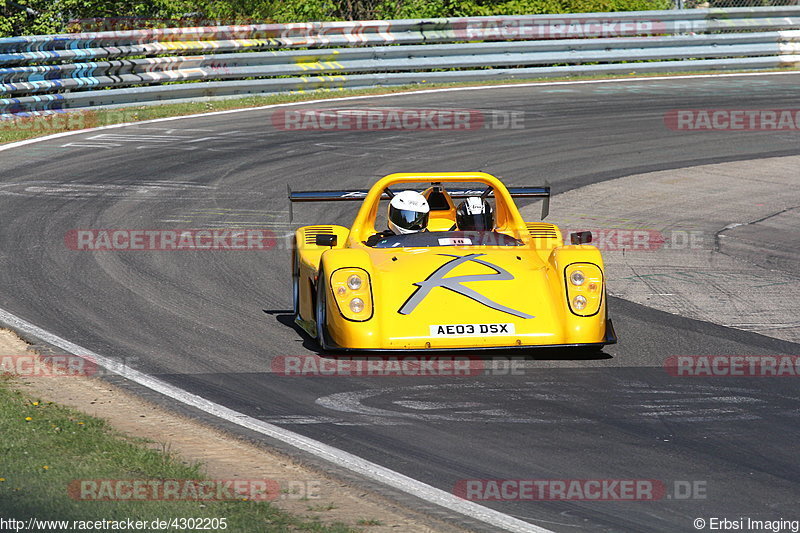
408,212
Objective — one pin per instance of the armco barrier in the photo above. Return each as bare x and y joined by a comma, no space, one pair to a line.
59,72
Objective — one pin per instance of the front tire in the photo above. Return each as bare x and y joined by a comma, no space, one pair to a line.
321,314
295,283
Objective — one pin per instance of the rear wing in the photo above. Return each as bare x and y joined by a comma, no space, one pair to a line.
360,194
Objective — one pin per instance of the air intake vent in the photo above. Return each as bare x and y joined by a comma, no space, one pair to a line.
311,233
542,231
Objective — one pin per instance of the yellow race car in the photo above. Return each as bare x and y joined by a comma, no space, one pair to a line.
441,286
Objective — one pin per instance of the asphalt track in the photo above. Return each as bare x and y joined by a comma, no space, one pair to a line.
211,322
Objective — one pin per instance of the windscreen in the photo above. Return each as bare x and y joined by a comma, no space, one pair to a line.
427,239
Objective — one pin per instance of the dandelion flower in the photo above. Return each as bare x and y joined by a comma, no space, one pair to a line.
28,419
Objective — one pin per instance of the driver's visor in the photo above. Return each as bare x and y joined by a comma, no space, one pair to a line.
481,222
411,220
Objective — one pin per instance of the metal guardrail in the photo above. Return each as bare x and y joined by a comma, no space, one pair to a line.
407,58
343,33
57,72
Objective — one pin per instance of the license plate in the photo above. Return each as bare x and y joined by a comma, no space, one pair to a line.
471,330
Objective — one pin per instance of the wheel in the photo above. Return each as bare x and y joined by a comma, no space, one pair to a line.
295,283
321,314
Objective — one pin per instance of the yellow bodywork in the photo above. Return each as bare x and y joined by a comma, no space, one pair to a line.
419,298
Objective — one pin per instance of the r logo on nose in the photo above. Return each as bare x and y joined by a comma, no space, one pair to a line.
437,279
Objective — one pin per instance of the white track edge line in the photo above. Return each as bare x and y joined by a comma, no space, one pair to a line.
16,144
331,454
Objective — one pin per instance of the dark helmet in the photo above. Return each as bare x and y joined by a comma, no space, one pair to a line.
474,214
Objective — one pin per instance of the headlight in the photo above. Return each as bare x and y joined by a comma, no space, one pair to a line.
356,305
352,292
584,283
577,277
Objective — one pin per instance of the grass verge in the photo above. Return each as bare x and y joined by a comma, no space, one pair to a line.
46,447
27,128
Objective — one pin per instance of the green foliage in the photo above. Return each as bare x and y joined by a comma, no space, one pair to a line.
60,16
10,19
53,16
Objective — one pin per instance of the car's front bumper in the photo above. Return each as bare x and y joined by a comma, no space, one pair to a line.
609,338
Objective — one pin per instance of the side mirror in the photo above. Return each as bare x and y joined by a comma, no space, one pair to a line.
581,237
327,240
